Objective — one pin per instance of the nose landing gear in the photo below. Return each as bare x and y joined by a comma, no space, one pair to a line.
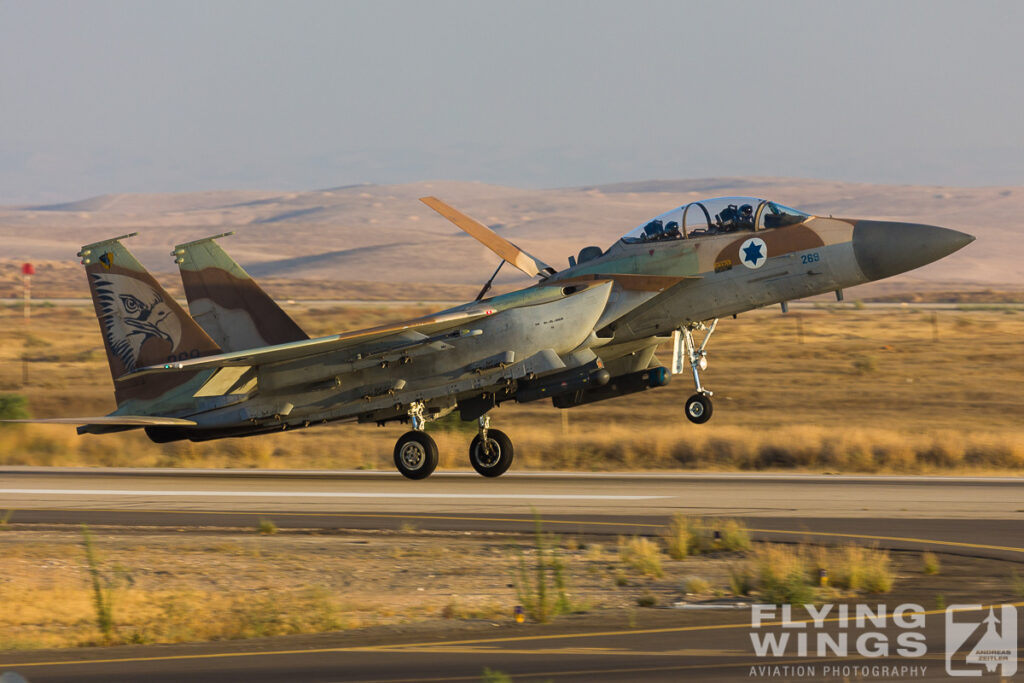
698,407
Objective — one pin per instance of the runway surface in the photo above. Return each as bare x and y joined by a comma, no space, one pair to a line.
971,516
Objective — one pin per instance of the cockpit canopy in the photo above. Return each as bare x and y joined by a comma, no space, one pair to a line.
715,217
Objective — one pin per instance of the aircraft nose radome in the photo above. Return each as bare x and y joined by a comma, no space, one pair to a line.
885,248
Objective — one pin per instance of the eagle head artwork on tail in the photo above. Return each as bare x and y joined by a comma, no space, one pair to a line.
142,325
133,312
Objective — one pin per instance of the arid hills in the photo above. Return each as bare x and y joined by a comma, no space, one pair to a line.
379,241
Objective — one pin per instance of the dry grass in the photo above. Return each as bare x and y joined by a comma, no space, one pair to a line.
677,537
783,574
741,579
541,583
805,408
145,616
790,574
859,568
675,447
930,564
695,535
642,555
697,585
196,587
459,610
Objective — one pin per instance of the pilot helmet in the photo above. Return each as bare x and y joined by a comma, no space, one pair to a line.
747,210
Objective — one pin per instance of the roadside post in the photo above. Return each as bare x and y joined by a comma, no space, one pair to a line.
27,271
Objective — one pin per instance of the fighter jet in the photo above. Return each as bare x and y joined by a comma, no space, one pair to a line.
238,365
678,273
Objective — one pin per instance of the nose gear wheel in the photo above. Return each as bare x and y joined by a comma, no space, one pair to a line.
698,409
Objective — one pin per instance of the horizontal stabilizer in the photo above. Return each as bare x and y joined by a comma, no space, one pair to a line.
113,420
531,265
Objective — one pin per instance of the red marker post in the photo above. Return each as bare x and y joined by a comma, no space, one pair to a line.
27,271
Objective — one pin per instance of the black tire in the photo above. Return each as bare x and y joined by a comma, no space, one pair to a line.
698,409
416,455
498,460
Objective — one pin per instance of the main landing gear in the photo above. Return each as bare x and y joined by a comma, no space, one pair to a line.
416,451
490,452
698,407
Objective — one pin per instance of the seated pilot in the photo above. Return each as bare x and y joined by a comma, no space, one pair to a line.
745,221
654,230
672,230
727,219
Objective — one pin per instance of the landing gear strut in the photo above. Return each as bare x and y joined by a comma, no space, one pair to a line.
491,451
698,407
416,451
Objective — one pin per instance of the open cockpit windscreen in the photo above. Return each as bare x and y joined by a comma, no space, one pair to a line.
715,217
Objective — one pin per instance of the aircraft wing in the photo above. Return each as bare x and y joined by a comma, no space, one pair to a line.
281,353
630,281
112,420
531,265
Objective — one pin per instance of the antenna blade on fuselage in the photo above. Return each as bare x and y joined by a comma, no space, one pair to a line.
525,262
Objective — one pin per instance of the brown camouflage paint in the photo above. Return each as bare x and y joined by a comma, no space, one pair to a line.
778,240
229,292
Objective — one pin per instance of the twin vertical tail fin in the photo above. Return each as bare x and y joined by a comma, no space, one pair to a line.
227,302
141,323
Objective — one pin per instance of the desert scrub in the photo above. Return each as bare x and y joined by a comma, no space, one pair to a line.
930,563
677,537
542,588
733,534
100,590
789,573
782,574
13,407
694,535
641,554
860,569
646,599
695,584
741,579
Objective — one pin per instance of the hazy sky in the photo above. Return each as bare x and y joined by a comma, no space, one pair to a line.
100,97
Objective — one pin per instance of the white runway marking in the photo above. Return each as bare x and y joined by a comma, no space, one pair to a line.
323,494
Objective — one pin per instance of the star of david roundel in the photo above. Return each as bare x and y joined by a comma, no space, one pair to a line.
753,252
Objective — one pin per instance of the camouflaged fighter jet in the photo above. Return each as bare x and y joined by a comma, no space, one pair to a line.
238,365
241,366
679,272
